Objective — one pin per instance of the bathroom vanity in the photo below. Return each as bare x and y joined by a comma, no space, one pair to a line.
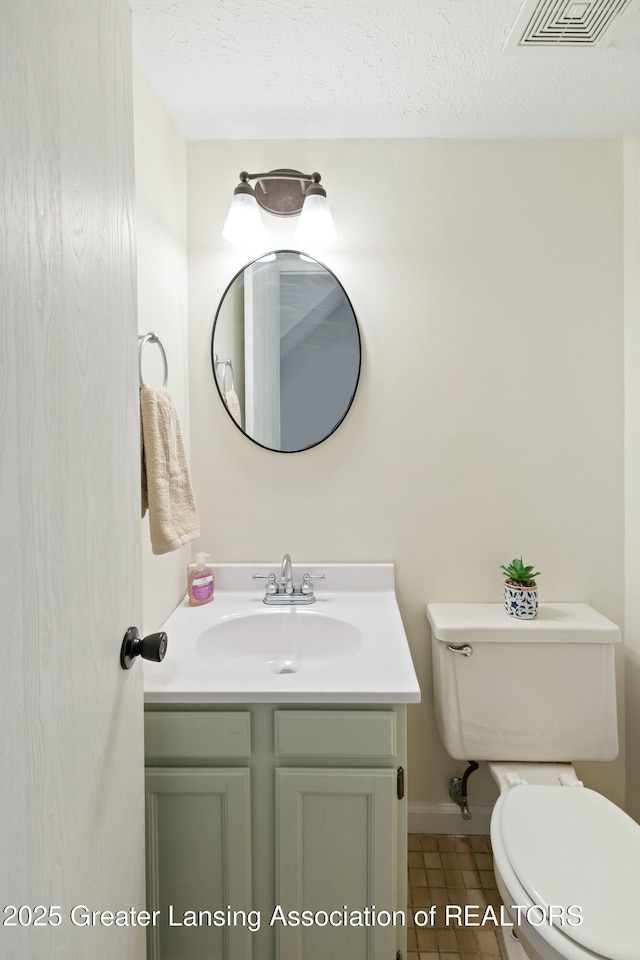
287,797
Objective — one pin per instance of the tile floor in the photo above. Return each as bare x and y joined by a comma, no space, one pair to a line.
451,871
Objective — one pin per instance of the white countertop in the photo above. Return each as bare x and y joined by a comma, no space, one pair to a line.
381,671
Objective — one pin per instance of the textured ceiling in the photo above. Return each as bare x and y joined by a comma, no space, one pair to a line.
272,69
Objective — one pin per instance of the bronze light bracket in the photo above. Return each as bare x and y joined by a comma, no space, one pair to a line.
281,192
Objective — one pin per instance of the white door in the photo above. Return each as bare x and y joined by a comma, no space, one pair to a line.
71,759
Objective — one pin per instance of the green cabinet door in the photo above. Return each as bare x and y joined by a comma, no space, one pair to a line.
336,849
198,862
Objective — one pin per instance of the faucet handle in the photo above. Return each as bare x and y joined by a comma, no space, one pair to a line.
306,587
272,586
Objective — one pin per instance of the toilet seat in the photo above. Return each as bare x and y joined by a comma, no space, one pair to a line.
570,846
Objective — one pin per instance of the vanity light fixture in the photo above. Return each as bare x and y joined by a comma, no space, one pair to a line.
283,193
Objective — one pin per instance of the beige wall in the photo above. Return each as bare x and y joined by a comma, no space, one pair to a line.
161,228
632,466
487,281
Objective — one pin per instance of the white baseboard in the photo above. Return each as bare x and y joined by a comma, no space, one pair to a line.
445,818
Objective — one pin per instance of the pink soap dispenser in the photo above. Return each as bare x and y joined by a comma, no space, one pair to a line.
200,581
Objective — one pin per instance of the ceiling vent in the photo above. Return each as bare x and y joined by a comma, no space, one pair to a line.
543,25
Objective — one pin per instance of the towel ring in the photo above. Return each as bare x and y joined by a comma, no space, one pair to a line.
143,339
227,366
223,379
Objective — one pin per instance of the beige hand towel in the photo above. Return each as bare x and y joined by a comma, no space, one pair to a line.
166,483
233,406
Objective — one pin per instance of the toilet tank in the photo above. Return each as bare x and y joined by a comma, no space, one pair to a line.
537,690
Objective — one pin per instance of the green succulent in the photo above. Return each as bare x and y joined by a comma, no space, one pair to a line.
519,572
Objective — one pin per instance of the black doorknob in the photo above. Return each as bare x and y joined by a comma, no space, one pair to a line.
152,647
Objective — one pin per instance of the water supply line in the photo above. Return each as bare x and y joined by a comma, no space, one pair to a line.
458,790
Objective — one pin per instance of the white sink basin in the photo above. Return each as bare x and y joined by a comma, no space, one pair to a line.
282,641
347,647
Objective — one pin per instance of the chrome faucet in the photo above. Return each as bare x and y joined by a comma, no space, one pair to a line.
286,575
283,591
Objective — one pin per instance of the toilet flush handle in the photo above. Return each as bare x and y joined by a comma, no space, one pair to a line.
465,649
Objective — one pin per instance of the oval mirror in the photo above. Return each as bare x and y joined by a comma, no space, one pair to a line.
285,351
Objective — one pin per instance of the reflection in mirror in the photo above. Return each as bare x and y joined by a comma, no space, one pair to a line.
286,351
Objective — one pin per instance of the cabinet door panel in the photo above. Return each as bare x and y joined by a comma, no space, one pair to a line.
198,859
336,848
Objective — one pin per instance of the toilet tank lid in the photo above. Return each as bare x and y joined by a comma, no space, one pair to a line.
555,623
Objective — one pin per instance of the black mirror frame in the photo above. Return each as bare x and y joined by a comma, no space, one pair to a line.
213,365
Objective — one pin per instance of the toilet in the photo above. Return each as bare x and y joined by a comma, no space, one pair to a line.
531,697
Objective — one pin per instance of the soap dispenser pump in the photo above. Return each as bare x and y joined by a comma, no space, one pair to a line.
200,581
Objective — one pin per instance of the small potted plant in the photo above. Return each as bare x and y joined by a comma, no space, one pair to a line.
520,590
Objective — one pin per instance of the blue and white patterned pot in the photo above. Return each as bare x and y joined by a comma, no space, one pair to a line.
519,601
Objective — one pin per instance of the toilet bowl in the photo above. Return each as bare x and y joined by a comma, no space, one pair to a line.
566,862
527,696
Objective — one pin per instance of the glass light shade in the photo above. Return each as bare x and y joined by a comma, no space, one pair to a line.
316,223
243,223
